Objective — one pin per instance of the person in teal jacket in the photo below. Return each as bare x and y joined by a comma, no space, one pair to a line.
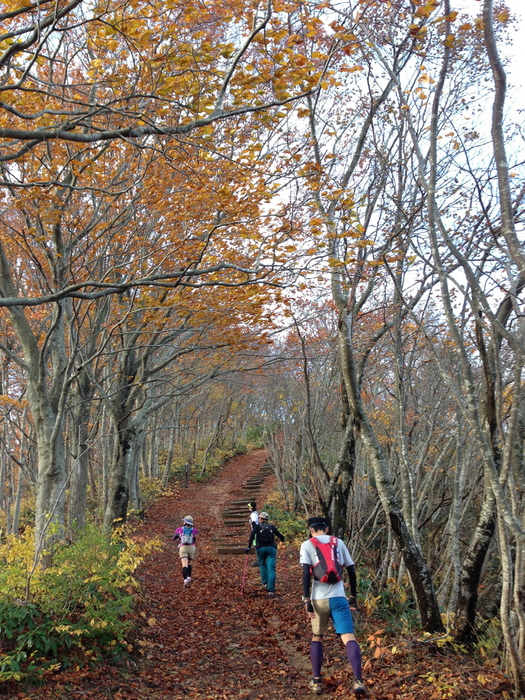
264,534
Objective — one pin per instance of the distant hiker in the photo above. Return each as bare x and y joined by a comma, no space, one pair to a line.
323,557
264,534
254,515
187,535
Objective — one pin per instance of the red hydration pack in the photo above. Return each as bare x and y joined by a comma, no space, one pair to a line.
328,569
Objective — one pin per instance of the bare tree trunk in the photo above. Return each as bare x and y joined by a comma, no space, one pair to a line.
80,455
515,662
119,476
418,570
15,522
169,458
498,140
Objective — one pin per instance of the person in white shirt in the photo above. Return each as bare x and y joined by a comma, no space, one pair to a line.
254,515
323,557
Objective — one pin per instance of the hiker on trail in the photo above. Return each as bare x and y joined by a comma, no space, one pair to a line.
187,535
323,557
254,515
264,534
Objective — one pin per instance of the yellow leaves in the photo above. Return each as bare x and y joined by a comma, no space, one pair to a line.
416,30
98,624
426,9
425,78
69,629
449,41
12,403
294,39
227,51
503,16
351,69
152,621
337,27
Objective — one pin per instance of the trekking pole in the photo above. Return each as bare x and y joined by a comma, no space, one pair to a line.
244,574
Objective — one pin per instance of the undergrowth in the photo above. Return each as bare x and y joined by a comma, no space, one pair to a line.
78,608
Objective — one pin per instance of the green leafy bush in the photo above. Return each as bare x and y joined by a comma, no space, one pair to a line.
292,526
82,601
393,604
29,641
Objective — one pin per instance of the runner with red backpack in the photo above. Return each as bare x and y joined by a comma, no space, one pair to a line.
323,557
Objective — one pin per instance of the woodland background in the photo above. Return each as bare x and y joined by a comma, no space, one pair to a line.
297,224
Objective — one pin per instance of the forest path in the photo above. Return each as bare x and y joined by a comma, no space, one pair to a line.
209,641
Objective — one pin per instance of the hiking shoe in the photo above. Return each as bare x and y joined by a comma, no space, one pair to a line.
188,580
316,685
271,594
186,583
359,689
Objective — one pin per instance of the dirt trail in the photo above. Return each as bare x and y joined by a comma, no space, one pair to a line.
212,643
208,641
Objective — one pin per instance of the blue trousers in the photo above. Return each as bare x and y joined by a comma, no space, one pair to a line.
266,557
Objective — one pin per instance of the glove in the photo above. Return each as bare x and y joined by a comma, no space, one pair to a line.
247,550
309,607
352,600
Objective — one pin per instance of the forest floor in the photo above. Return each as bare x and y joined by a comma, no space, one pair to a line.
219,641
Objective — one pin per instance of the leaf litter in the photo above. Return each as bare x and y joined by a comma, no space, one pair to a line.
212,643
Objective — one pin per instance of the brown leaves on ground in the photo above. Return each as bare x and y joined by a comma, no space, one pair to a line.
212,643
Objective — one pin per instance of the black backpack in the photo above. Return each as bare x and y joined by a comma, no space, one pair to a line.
265,535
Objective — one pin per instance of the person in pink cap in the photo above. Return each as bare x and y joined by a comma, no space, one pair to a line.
187,536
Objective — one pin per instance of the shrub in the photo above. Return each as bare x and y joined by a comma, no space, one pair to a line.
291,525
83,600
393,604
151,489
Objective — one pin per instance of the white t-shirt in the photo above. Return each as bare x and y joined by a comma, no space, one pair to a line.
254,518
308,555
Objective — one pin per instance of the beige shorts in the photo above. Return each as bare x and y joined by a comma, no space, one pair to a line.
335,609
187,551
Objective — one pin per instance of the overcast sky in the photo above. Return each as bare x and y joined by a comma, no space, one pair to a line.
516,52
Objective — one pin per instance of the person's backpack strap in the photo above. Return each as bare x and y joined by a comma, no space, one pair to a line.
265,534
328,569
187,536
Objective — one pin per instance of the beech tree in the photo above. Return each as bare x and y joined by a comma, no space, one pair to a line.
387,176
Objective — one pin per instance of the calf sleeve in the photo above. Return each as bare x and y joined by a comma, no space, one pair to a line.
189,569
353,652
185,573
316,657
